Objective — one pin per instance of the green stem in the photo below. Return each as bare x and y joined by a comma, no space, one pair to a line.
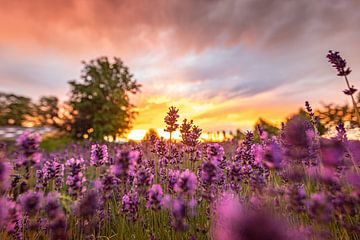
353,101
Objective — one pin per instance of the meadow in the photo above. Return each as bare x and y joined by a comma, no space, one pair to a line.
296,185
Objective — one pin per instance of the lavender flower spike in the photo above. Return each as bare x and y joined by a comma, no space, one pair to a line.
341,66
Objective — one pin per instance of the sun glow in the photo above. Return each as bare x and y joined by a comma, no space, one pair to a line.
139,134
136,134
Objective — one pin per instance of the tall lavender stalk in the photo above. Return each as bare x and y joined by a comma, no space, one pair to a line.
171,120
340,64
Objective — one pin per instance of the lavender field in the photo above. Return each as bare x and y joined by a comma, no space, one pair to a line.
179,120
294,186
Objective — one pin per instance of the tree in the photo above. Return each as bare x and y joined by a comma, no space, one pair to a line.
48,111
101,99
265,126
151,135
332,114
305,116
15,110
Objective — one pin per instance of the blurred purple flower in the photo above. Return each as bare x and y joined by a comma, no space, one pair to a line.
56,216
130,203
354,180
13,219
31,201
295,197
179,212
173,176
29,145
125,164
87,206
52,205
4,212
234,222
332,152
155,195
186,183
269,155
319,207
144,179
5,170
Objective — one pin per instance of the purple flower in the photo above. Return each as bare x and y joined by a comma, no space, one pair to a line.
215,152
179,211
295,137
99,155
332,152
234,222
144,178
130,203
341,132
173,177
5,169
186,183
57,227
209,172
75,178
31,201
53,169
350,91
29,145
339,63
160,147
190,134
295,133
4,211
155,196
107,184
13,219
52,205
56,216
244,168
87,206
171,120
125,164
295,197
319,207
269,155
354,180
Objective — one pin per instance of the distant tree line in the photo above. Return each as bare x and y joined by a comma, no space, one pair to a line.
19,111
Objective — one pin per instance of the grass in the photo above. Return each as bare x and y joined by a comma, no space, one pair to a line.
56,142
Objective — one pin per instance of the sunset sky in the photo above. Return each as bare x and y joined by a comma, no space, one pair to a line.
224,63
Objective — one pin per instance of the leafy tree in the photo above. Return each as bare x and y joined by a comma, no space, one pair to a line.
48,111
15,110
239,135
304,115
101,99
151,134
267,127
331,114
